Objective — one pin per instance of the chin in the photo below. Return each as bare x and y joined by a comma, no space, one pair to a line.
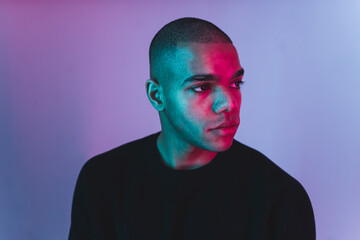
221,145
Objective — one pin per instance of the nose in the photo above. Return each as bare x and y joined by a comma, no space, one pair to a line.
226,100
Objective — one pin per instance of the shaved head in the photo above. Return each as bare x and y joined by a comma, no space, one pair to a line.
184,30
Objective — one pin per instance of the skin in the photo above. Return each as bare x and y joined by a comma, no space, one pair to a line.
191,112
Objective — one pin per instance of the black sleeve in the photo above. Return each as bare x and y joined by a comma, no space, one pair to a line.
295,217
80,228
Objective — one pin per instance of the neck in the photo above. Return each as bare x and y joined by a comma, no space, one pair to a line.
180,155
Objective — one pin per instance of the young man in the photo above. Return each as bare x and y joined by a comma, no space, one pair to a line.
192,180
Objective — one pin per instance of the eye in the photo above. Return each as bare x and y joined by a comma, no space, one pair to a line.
200,88
237,84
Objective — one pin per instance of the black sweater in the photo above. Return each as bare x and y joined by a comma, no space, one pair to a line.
129,193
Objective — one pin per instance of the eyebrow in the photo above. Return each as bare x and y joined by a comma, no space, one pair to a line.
210,77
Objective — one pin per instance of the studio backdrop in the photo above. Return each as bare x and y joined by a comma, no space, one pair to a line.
72,85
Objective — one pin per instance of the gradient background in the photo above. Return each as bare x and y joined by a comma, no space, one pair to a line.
73,85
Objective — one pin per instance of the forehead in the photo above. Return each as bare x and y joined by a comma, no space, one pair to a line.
205,58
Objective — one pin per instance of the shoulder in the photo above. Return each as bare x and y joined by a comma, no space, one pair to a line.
260,169
254,160
118,159
266,179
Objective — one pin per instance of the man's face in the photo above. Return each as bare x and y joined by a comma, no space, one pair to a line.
202,97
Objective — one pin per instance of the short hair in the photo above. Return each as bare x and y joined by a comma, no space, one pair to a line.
186,29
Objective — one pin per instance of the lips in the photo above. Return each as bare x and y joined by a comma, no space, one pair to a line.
227,125
226,128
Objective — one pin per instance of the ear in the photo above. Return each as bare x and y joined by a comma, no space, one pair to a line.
155,94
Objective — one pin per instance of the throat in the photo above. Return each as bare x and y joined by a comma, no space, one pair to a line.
187,157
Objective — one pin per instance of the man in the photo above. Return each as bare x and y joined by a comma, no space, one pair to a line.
192,180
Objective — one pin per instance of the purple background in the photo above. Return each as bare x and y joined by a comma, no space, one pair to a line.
72,85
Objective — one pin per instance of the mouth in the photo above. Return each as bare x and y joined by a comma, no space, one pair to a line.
226,128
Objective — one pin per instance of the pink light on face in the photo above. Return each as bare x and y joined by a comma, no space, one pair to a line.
222,62
203,103
228,130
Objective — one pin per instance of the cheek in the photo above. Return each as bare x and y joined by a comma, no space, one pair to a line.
239,99
199,107
190,110
178,109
